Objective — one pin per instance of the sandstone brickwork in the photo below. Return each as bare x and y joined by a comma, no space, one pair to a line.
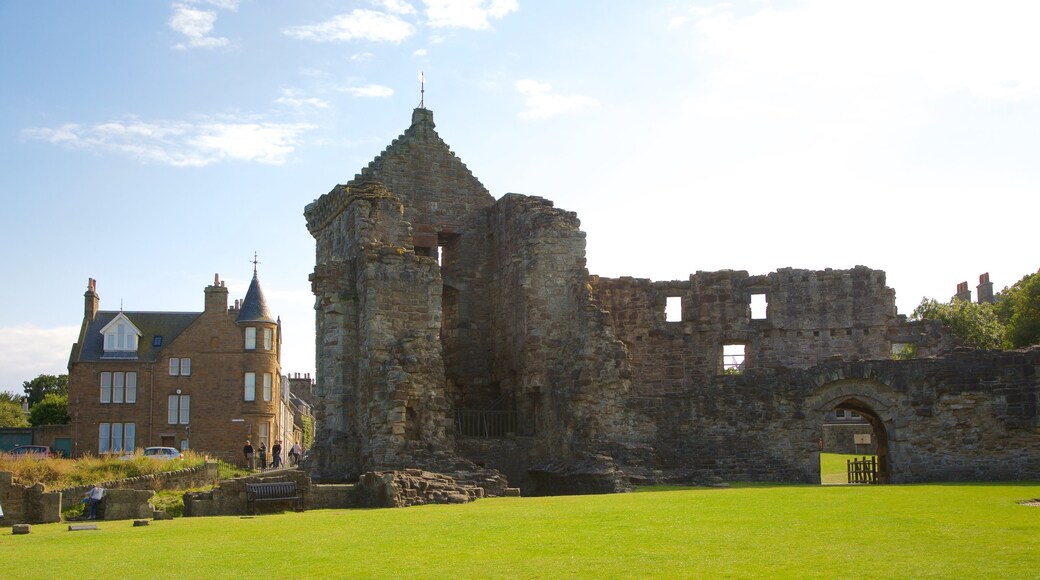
456,332
218,417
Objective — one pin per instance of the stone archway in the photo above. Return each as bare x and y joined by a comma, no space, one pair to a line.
872,400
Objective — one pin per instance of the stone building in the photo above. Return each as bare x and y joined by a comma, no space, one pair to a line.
453,327
200,380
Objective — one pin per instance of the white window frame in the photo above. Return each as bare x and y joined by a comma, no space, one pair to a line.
120,335
106,387
250,338
129,436
131,387
264,429
118,384
268,339
104,437
180,367
268,384
178,410
118,387
116,437
250,385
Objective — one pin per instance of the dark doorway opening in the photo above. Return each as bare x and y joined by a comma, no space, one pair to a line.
853,431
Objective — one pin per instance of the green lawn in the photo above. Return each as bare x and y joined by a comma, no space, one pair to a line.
834,467
947,531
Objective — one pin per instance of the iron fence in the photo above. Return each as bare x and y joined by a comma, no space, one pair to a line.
485,424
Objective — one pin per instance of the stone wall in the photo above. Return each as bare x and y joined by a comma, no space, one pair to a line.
971,415
28,504
229,498
198,476
841,438
435,302
373,490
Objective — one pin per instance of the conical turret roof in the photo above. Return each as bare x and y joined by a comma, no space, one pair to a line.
254,307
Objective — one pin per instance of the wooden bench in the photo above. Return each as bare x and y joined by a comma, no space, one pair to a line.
278,491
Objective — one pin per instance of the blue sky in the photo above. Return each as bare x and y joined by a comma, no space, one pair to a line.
152,144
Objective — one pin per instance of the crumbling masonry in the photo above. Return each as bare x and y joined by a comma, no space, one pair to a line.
456,332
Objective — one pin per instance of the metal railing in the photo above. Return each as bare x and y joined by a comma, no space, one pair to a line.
485,424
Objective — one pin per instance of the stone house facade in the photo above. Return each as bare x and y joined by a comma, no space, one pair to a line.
206,380
452,326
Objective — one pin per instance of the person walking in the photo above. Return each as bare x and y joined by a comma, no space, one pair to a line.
263,455
248,452
294,454
276,454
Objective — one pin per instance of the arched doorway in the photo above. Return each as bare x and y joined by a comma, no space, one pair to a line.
877,445
871,403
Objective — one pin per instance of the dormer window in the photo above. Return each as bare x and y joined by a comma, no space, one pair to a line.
121,337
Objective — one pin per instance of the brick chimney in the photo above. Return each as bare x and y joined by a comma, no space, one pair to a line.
985,289
216,296
962,292
90,300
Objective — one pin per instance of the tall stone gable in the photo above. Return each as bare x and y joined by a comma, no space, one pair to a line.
433,301
456,331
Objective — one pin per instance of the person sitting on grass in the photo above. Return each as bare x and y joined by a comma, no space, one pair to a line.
92,499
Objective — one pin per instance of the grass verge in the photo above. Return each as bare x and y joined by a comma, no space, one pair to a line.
948,531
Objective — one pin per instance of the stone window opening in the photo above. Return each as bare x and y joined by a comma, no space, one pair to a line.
904,350
759,306
673,309
734,358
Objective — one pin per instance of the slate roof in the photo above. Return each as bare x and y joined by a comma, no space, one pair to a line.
168,325
254,307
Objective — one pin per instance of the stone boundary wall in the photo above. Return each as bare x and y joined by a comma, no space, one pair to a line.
198,476
840,438
971,415
374,489
228,498
28,504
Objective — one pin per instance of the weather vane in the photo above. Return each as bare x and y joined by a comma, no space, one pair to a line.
254,262
422,90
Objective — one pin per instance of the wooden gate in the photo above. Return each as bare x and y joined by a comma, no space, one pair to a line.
863,470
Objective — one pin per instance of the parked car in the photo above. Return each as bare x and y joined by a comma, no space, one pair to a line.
162,453
157,453
31,451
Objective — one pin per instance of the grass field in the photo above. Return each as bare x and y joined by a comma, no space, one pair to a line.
794,531
834,467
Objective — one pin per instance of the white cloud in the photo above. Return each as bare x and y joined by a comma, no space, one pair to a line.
180,143
419,52
541,102
396,6
361,57
371,91
196,24
29,351
293,98
358,25
473,14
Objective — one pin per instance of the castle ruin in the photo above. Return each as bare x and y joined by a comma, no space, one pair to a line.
456,331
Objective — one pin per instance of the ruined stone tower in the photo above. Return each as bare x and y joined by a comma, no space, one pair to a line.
440,310
457,331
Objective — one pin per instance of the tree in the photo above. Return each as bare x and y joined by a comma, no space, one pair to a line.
37,388
52,410
1018,307
974,324
11,414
